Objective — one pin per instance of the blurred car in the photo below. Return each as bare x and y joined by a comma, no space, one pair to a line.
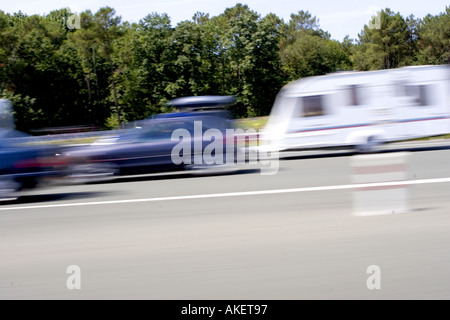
24,165
148,148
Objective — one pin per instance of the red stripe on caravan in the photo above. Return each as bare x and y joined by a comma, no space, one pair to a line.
379,169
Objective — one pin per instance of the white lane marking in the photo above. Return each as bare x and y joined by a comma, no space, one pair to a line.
236,194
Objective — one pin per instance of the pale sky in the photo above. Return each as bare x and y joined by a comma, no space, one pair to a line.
339,18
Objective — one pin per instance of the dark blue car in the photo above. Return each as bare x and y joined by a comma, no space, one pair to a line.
24,165
154,145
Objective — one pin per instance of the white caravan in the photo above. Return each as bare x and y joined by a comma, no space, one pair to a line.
361,109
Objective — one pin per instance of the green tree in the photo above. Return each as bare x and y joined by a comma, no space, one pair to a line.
239,44
248,57
8,41
84,42
107,29
306,50
434,39
266,76
301,23
192,60
144,59
390,45
38,71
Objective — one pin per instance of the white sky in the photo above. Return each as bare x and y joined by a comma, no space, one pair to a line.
339,18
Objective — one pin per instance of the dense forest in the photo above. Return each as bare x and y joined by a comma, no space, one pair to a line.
106,71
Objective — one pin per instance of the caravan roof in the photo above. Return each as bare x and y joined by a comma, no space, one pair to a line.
318,84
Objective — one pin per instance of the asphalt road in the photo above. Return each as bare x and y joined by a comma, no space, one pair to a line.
290,236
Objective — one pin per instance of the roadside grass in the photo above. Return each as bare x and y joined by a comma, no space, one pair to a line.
73,141
442,137
252,123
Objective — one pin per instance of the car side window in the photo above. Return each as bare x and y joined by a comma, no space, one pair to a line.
161,131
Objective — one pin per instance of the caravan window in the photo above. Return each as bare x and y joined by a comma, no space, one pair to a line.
419,93
312,106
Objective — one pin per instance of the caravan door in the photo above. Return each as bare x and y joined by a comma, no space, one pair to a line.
386,113
421,94
424,111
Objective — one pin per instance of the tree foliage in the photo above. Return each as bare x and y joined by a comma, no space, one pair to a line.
388,45
110,71
434,39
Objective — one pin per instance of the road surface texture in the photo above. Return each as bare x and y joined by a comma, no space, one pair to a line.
236,236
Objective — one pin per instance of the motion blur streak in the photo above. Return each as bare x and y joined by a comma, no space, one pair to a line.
241,194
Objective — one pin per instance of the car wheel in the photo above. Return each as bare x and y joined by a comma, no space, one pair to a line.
214,169
8,188
371,145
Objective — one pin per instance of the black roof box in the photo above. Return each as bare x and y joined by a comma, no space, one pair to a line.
202,102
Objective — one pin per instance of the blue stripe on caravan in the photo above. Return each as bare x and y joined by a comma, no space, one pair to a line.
369,124
337,127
